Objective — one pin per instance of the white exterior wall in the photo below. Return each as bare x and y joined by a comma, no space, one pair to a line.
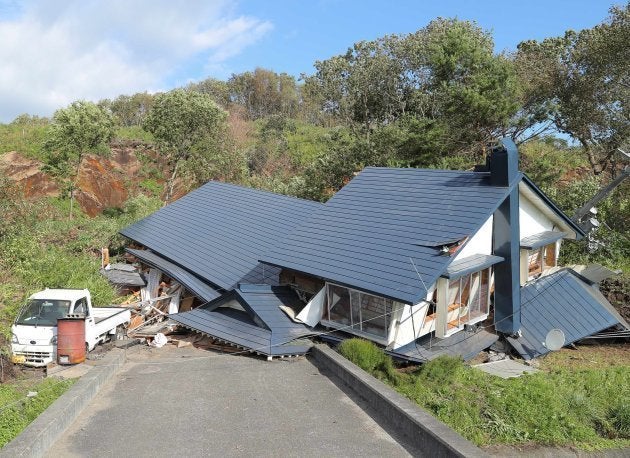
405,332
480,243
532,220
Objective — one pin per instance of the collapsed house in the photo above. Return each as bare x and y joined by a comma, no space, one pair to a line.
422,262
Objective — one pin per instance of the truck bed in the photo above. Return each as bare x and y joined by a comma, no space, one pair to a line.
108,318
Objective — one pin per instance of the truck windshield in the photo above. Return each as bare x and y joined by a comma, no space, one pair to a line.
43,312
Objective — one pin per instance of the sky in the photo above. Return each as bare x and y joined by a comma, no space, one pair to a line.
53,52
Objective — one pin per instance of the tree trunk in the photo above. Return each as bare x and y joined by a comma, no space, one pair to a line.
170,184
74,185
592,160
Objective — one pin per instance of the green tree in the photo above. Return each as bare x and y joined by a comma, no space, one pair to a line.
79,129
444,80
363,88
217,89
412,100
264,92
583,84
130,110
181,121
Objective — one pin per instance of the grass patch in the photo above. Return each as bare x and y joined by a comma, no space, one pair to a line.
57,252
17,411
583,406
24,136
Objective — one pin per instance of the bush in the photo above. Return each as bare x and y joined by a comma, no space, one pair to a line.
370,358
363,353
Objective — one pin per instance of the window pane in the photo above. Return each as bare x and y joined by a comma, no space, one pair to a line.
376,313
484,296
339,305
473,301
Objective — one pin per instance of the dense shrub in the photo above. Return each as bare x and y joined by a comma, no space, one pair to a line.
363,353
370,358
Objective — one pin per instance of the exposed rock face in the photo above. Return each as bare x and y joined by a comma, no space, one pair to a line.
102,182
27,174
100,185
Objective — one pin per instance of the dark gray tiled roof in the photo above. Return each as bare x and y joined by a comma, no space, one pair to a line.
275,333
265,301
562,301
227,328
466,344
193,283
471,264
219,231
367,235
541,239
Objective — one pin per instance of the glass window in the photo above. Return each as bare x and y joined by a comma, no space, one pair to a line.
376,314
43,312
80,306
468,299
358,311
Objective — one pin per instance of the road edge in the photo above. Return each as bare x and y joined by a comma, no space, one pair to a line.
424,431
41,434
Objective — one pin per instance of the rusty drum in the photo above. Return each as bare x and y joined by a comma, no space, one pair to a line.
70,340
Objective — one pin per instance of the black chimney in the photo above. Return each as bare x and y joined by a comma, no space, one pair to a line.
503,166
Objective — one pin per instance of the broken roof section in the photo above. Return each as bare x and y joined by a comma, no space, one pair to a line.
386,223
563,300
123,275
219,232
190,281
250,317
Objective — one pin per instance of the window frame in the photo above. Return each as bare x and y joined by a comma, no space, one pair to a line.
446,307
350,328
543,253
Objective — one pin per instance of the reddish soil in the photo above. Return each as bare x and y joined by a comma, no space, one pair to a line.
27,175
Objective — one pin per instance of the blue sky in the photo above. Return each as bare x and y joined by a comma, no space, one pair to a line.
57,51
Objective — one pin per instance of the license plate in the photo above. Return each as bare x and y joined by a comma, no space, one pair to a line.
18,359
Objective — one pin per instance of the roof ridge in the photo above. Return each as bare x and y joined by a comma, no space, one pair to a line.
262,191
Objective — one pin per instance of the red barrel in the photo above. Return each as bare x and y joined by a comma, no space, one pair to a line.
70,340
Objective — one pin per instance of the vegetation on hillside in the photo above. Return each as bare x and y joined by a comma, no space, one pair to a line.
42,248
566,404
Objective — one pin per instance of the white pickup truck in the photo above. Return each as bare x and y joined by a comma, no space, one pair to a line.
34,339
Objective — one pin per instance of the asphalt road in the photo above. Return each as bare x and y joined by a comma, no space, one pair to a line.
189,402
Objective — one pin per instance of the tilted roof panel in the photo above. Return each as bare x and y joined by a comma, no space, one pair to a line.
382,232
219,231
562,300
193,283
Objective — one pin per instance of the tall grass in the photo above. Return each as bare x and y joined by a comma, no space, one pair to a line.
587,408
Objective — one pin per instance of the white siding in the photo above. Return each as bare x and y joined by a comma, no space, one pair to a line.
405,332
532,220
480,243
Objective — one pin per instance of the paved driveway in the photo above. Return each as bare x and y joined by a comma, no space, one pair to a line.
189,402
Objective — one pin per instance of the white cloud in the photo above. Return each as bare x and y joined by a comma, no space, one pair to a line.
54,52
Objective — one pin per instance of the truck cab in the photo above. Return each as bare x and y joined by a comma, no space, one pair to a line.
34,332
